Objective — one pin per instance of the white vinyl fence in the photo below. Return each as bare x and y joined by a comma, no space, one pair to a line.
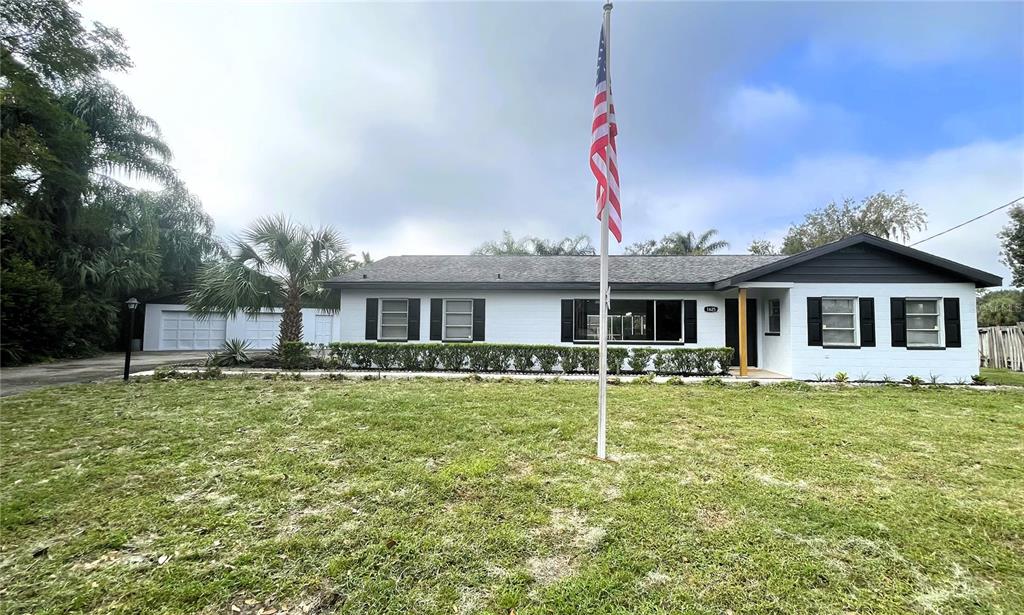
1002,347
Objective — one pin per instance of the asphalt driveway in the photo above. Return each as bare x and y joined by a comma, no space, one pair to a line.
27,377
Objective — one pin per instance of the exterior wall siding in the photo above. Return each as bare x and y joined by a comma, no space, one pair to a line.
949,365
525,317
236,326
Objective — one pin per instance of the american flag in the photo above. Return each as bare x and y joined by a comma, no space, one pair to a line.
604,132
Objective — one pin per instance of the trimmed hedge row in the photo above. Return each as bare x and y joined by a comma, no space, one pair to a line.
479,357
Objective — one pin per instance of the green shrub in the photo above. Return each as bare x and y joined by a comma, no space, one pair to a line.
714,381
294,355
978,379
571,358
547,357
452,357
841,377
210,373
644,379
640,358
914,381
522,358
617,357
488,357
233,352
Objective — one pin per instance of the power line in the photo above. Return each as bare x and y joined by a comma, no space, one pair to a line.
992,211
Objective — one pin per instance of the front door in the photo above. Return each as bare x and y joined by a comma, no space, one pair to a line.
732,330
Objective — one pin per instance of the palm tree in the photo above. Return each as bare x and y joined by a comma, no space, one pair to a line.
276,263
678,244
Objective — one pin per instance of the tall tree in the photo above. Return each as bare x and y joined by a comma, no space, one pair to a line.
890,216
680,244
508,245
276,263
1000,308
1012,238
72,232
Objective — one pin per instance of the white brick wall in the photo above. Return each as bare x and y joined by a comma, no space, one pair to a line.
949,365
523,317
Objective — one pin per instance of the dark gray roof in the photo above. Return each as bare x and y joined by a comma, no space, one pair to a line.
551,271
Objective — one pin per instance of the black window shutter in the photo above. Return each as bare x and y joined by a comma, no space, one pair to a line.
951,316
414,319
566,320
898,320
867,321
371,319
690,321
814,321
479,318
436,314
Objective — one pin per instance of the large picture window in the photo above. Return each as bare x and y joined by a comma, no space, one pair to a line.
839,321
924,322
630,320
458,320
394,319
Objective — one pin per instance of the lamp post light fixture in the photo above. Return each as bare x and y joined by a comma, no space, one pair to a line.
132,304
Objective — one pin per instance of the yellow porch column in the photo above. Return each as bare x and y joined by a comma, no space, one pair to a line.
743,331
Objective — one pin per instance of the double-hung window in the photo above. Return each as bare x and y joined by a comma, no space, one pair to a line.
839,321
458,320
394,319
924,323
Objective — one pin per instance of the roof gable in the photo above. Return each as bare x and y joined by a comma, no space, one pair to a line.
864,258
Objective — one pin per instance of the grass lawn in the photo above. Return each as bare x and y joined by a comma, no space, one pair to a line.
442,497
1003,376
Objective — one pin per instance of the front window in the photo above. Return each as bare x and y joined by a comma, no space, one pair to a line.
458,320
839,321
630,320
394,319
923,322
774,316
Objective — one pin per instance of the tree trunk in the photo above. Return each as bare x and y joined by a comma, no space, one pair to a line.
291,320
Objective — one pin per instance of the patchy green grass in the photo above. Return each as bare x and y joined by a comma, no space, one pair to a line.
1003,376
441,497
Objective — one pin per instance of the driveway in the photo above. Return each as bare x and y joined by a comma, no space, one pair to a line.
27,377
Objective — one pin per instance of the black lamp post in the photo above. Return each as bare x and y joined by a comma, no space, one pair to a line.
132,304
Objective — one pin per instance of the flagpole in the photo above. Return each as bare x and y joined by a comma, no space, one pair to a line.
603,299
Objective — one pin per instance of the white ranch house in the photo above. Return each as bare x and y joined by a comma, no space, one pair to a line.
863,305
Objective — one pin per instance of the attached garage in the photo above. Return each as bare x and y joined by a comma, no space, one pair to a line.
180,330
262,330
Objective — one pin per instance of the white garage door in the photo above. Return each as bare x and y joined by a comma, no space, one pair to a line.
262,331
180,330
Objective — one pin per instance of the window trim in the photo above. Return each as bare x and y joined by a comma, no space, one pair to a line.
940,321
444,320
380,319
855,302
654,341
768,317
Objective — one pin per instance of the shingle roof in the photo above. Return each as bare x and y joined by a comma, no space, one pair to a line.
551,270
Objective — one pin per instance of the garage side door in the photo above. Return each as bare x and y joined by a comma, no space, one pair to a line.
324,324
262,330
180,330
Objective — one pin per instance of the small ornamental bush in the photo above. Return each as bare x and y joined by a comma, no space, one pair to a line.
547,357
295,355
232,352
522,358
617,359
640,359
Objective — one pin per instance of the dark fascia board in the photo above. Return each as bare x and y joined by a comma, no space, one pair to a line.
622,286
979,277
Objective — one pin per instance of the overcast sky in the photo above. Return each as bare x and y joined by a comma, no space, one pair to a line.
428,128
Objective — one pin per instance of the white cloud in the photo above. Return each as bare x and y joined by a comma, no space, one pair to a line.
951,184
751,108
